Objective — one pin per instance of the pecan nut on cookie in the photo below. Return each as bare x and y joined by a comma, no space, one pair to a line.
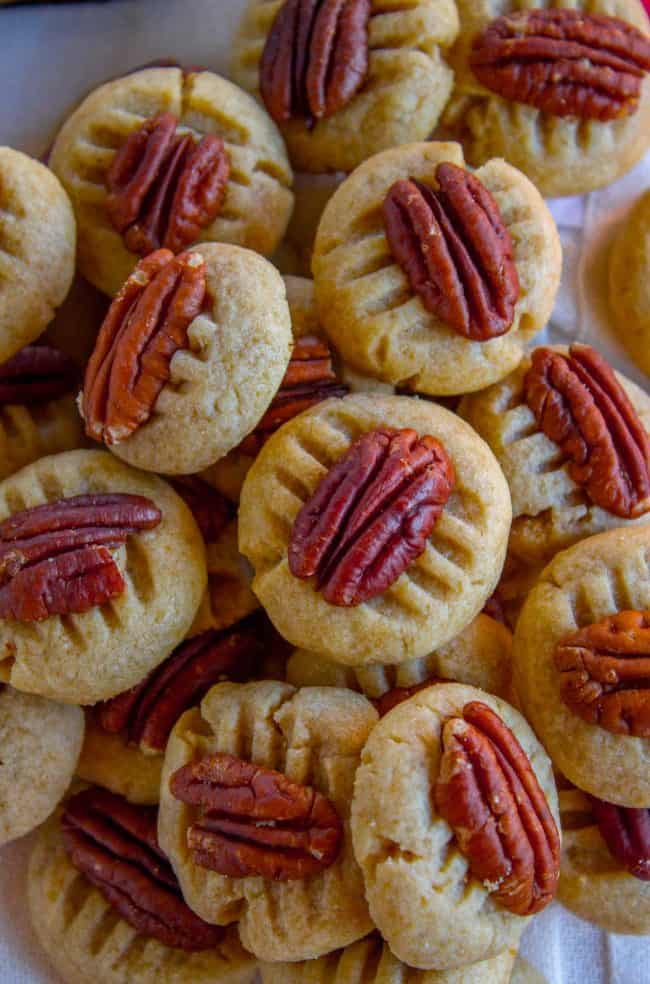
345,79
629,291
101,572
166,158
37,249
383,518
183,341
582,667
454,825
431,277
106,907
563,93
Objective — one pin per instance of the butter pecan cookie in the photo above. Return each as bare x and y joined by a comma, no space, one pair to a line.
40,743
254,815
629,283
605,872
188,359
581,667
432,277
560,91
164,157
107,909
102,569
37,249
454,827
371,75
402,585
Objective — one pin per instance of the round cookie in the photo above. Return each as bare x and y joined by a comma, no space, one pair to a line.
440,592
37,249
314,736
368,306
87,657
40,743
629,283
433,913
596,578
258,200
563,155
402,96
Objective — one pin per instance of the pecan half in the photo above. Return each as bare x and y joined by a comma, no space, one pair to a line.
115,845
454,248
145,326
398,695
54,558
315,58
211,510
165,188
147,713
309,379
626,832
255,821
581,406
605,673
371,515
564,62
37,374
489,795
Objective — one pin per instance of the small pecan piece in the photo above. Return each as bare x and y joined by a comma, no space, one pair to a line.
54,558
605,673
564,62
37,374
165,188
489,795
371,515
255,821
398,695
579,403
626,832
147,713
315,59
211,510
145,326
309,379
115,845
454,248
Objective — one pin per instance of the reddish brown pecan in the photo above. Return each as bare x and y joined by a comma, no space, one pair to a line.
453,246
54,558
255,821
115,845
145,326
489,795
564,62
371,515
37,374
398,695
147,713
581,406
493,608
309,380
605,673
165,188
626,832
315,59
211,510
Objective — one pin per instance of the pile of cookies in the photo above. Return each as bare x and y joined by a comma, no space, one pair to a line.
314,593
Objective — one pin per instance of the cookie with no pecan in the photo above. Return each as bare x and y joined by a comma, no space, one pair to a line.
629,283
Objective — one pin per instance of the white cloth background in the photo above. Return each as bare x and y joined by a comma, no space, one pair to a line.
49,58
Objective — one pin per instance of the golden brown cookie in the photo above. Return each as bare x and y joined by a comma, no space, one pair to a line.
396,64
314,736
563,154
40,743
442,589
401,326
257,199
445,892
589,713
629,283
228,596
37,249
111,761
158,575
